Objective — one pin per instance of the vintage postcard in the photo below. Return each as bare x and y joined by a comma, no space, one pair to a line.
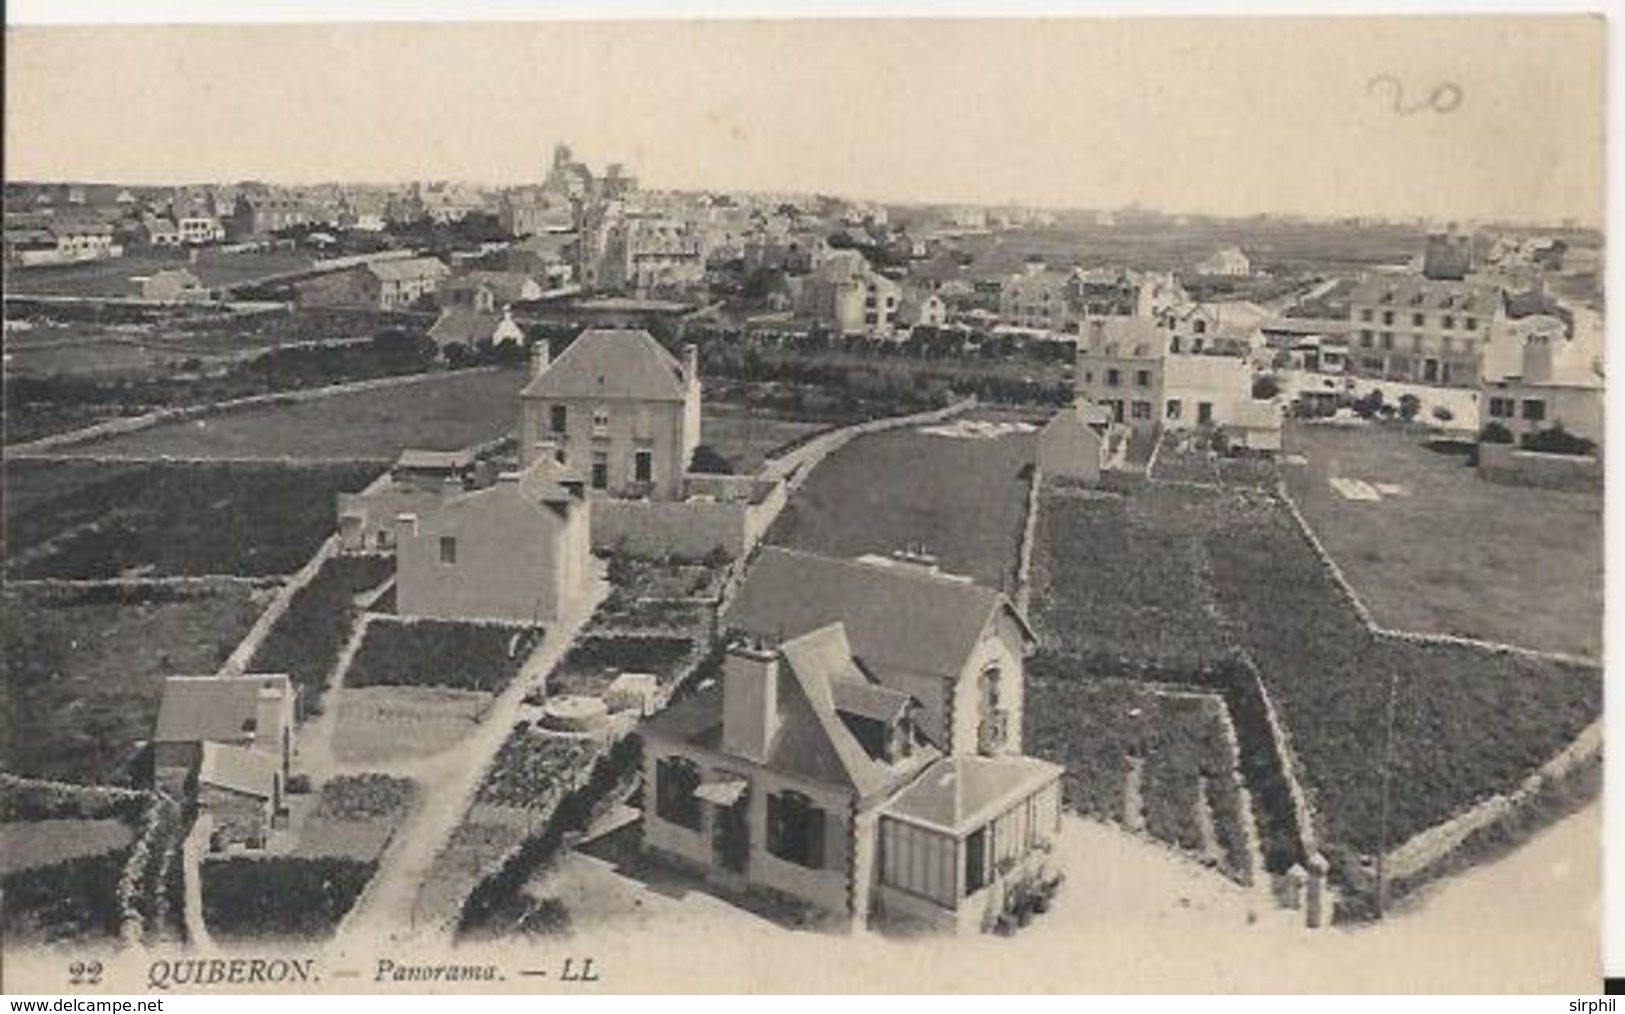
1022,505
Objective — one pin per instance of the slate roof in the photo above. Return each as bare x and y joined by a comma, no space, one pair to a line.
812,741
416,459
506,286
239,769
965,792
1406,293
611,363
464,325
197,708
407,269
897,617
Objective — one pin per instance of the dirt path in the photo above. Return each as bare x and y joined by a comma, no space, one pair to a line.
196,844
446,784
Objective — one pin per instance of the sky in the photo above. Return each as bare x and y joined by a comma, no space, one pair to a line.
1218,116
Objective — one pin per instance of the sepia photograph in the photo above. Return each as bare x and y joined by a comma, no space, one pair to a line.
741,504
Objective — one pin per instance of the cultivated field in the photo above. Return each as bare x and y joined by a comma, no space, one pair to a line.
481,657
1194,577
71,520
1448,552
84,670
306,640
444,412
963,500
381,725
117,277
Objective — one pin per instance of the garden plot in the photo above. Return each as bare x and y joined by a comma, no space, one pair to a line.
381,725
30,844
85,669
354,817
87,521
964,501
1166,754
482,657
594,661
306,640
290,898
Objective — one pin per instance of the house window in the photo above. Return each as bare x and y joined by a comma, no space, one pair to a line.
600,470
1366,338
1142,378
977,867
1141,409
643,465
600,420
795,829
1365,314
1388,317
1200,327
1174,408
448,549
992,730
676,778
1204,412
558,419
1449,322
1472,323
1418,319
1501,408
1113,378
1387,340
1534,409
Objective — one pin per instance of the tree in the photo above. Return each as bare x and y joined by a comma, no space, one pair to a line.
1265,387
1557,440
1409,406
708,460
1443,414
1369,404
1494,433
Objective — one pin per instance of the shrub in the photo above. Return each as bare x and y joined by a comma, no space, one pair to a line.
281,897
306,641
443,653
708,460
1368,405
72,900
1557,440
1409,406
1443,413
1265,387
1494,433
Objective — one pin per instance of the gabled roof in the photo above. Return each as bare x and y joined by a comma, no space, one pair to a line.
611,363
465,325
962,793
545,485
898,618
416,459
506,286
812,741
407,269
251,772
199,708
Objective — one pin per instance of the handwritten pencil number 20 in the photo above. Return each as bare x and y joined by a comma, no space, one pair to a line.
1446,96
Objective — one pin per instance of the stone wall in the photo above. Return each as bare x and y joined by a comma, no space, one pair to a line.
1505,464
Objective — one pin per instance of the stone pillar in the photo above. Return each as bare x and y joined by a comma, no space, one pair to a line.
1292,887
1317,909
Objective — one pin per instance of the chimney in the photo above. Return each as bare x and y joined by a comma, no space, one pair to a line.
750,701
268,719
406,526
691,363
541,356
1537,357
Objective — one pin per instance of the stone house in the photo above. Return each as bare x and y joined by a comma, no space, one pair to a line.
516,551
380,285
1072,445
174,285
228,741
619,407
418,483
844,291
804,777
954,646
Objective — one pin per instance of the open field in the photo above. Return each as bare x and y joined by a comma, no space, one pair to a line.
1452,553
84,670
745,437
962,500
444,412
70,520
594,661
482,657
27,844
116,277
381,725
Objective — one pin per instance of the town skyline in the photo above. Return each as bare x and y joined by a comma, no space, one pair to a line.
1010,141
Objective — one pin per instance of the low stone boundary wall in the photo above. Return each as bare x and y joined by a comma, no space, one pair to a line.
1508,465
136,423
